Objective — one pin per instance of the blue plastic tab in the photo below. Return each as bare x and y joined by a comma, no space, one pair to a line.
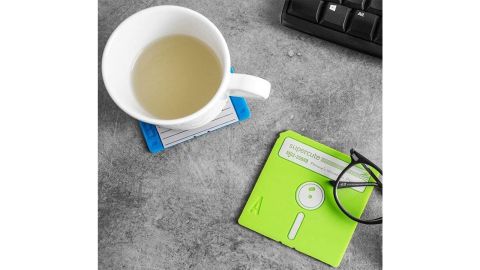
150,134
241,108
240,105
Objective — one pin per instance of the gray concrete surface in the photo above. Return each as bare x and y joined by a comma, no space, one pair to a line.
178,209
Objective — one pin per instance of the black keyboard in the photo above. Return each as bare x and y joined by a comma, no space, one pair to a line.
356,24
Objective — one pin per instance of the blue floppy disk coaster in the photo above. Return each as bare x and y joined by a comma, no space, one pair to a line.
159,138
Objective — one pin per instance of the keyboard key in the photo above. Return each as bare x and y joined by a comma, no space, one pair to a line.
378,35
356,4
306,9
363,24
375,7
335,17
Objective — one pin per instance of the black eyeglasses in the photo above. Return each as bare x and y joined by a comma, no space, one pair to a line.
351,185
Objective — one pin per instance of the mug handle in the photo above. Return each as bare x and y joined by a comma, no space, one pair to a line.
244,85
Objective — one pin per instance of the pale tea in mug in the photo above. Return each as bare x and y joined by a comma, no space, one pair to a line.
175,76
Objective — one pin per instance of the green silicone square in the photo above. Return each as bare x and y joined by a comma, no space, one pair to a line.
315,226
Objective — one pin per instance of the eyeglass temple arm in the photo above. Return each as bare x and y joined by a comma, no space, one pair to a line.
353,184
373,175
360,158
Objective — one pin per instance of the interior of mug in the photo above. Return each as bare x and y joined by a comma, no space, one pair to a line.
136,33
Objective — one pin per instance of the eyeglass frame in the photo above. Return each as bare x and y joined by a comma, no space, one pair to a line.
357,158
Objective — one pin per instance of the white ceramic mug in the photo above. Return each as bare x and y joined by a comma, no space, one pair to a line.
142,28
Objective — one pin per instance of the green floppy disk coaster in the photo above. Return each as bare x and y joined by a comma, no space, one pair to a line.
292,201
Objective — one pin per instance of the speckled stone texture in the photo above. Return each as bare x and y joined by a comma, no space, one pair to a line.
179,209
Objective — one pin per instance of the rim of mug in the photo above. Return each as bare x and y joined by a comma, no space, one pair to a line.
206,107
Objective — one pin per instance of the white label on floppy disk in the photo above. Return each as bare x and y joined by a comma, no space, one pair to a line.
171,137
320,162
